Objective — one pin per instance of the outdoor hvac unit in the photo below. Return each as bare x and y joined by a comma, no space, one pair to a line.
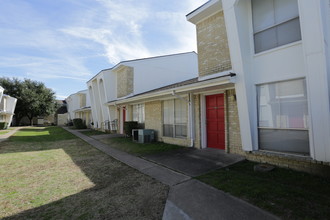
135,135
143,135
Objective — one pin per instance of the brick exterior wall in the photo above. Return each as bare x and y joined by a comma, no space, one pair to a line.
234,144
213,50
154,120
177,141
125,78
197,106
153,117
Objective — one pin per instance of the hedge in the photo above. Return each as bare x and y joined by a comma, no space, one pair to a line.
78,123
129,126
3,125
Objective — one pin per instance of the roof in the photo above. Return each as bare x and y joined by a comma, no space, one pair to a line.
172,86
62,110
186,83
140,59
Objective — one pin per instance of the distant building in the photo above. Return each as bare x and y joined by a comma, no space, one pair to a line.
131,78
78,106
7,108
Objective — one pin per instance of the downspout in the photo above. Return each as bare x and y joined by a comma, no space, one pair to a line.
190,116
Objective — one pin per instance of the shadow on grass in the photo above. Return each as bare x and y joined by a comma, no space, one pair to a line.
41,134
286,193
119,192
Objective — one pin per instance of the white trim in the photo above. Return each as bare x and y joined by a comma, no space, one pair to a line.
203,122
204,11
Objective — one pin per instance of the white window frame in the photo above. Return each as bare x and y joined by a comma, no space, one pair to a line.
278,44
139,113
174,124
281,99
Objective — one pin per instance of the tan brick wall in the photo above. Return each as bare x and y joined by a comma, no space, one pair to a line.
125,78
197,110
288,161
153,117
177,141
212,44
234,143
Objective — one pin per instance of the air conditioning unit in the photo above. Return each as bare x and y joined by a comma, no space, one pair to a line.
143,135
135,135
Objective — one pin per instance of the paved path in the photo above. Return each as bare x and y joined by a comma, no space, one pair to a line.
160,173
188,198
194,162
4,137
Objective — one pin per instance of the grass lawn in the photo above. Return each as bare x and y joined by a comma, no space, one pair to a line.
92,132
3,132
285,193
127,145
47,173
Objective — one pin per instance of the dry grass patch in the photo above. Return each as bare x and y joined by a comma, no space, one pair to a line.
69,179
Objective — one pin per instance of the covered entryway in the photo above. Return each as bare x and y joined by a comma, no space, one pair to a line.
215,121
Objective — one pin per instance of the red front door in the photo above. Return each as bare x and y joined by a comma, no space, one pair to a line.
215,121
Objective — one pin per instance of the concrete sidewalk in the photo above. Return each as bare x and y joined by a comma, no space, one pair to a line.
4,137
188,198
160,173
194,162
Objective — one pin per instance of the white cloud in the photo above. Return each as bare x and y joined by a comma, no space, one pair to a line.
113,30
120,28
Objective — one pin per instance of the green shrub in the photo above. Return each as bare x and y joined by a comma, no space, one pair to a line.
129,126
78,123
3,125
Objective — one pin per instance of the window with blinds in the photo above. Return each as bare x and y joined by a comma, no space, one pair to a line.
175,118
138,113
283,117
275,23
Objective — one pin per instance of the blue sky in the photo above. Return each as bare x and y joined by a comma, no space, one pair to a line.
64,43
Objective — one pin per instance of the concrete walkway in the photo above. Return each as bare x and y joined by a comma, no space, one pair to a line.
188,198
193,162
160,173
4,137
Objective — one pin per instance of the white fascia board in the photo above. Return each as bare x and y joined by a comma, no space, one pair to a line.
209,8
187,88
97,75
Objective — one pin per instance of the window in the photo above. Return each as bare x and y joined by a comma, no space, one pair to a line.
138,113
275,23
175,118
283,117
